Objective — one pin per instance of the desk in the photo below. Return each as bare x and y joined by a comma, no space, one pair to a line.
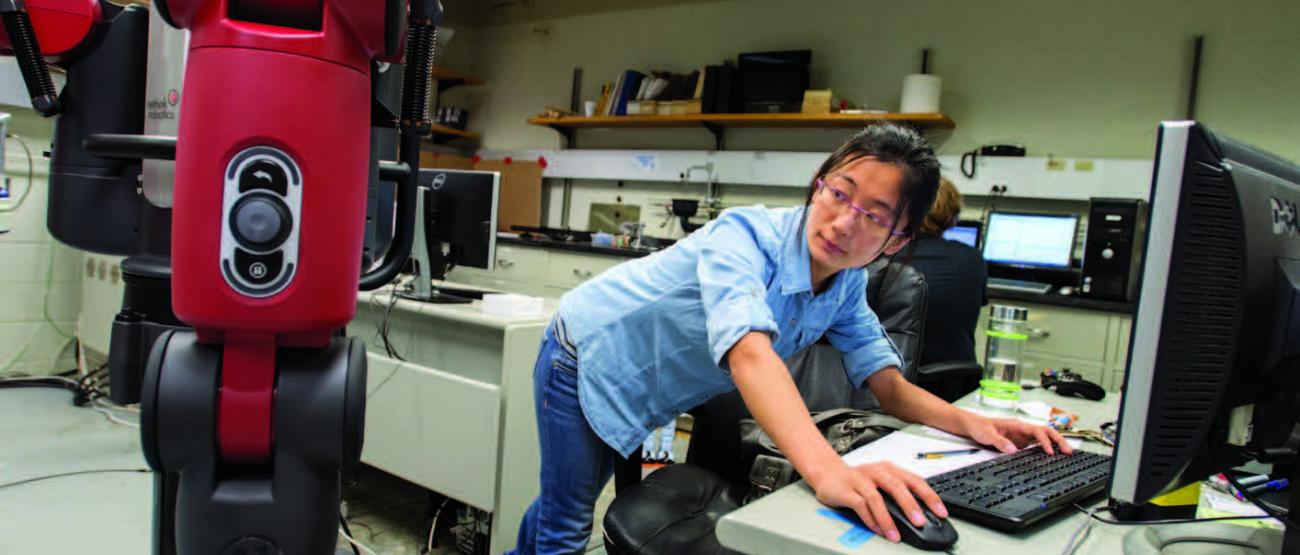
787,520
457,416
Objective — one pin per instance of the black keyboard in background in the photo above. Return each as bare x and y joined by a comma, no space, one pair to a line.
1013,491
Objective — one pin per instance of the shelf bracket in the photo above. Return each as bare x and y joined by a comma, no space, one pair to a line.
719,134
567,133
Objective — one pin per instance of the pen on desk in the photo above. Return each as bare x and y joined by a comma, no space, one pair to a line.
942,454
1275,485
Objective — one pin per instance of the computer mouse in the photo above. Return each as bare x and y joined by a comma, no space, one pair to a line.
937,534
1080,388
1067,290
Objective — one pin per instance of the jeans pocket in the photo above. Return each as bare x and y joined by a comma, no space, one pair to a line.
563,364
562,391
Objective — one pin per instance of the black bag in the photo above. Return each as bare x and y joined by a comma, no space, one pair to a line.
844,429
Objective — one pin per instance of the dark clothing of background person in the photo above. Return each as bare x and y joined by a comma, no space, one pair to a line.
956,277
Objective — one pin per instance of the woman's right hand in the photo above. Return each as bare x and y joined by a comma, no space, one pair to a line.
859,488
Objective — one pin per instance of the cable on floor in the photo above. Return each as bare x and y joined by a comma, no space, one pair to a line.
356,544
76,473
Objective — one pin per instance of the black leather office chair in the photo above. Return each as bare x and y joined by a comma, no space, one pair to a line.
675,509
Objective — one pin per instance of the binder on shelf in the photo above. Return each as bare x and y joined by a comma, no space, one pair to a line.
725,103
631,84
709,94
611,107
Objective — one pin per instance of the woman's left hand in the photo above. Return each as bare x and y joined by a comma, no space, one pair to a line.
1006,434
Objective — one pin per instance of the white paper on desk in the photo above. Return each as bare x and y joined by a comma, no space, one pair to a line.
901,449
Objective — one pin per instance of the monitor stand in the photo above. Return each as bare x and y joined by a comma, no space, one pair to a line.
1216,537
441,296
431,264
1209,538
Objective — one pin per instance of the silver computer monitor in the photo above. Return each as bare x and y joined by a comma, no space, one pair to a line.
1213,371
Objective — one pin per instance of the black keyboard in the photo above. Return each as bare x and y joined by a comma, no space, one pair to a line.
1013,491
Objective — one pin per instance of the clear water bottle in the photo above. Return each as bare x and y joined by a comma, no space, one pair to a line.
1007,333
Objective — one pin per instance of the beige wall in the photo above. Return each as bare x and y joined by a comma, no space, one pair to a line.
38,277
1065,77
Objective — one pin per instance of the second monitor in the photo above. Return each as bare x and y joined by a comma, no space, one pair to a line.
1026,240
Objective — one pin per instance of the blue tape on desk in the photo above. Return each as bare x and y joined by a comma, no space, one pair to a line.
856,535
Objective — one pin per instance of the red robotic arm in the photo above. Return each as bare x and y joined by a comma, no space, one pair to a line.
46,29
251,419
272,166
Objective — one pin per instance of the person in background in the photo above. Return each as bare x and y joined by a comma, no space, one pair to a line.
647,340
956,278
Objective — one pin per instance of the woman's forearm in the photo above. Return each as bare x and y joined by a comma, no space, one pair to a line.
906,401
772,397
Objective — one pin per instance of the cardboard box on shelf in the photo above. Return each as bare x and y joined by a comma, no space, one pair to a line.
817,101
520,195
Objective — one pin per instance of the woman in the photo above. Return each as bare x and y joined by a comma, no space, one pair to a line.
955,282
651,338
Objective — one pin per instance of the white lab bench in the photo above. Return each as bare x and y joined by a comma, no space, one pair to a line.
787,522
457,415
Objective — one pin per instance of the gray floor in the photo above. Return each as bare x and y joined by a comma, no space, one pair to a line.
43,434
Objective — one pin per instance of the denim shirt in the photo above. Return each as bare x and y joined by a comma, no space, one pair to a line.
652,334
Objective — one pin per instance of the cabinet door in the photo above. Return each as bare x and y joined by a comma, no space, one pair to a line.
1034,363
1059,333
1068,332
520,263
566,270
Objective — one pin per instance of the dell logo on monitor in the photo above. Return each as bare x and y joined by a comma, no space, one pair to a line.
1284,217
440,179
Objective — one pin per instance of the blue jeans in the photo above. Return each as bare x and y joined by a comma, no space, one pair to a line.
576,463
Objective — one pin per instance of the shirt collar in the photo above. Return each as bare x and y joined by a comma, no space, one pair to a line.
796,269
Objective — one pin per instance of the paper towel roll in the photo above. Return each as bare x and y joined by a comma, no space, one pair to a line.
920,93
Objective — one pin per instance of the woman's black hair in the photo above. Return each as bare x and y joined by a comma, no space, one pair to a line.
891,144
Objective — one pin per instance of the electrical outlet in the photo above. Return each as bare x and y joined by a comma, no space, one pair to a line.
1084,165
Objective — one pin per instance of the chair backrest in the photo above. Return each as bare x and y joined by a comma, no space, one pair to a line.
897,294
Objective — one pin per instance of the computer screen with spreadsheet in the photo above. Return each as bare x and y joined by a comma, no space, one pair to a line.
1033,240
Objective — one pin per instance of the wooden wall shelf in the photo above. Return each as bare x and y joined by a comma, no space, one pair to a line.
447,78
716,123
442,133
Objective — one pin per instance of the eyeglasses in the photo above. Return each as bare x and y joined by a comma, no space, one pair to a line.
864,219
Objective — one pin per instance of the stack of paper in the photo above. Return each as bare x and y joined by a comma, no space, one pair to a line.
901,449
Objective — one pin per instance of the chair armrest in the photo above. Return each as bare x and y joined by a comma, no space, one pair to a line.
949,380
957,367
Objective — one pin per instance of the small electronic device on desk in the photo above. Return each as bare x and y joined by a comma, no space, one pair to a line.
1030,252
1067,383
456,225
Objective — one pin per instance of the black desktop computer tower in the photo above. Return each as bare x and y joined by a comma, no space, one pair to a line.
1112,250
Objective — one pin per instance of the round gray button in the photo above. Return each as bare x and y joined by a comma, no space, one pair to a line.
260,221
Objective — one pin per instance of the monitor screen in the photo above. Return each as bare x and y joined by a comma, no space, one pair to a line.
771,80
967,235
461,211
1040,240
